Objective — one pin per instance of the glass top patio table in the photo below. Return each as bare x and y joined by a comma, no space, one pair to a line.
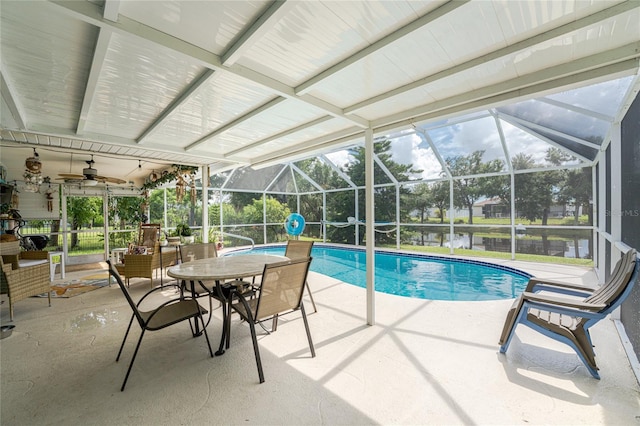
223,268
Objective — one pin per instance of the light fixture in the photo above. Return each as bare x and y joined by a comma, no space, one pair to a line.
33,173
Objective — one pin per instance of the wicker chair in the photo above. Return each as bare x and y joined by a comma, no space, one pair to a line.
31,277
148,234
140,265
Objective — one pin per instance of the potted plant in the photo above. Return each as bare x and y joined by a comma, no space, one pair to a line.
4,210
183,230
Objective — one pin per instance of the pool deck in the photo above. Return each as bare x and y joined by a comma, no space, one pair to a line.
423,362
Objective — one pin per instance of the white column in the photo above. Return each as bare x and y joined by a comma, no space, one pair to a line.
205,203
451,216
65,229
397,216
105,226
164,210
370,226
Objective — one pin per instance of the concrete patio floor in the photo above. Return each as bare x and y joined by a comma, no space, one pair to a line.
424,362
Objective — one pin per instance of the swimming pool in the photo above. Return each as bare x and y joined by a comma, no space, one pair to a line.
416,275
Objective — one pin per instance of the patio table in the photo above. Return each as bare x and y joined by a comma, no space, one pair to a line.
219,269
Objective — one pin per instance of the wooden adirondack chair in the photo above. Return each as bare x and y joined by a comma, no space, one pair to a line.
568,319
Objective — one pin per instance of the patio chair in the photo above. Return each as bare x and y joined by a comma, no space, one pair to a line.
281,293
297,249
168,313
148,234
141,265
191,252
24,274
568,319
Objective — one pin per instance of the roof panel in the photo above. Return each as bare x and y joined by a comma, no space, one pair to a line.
308,37
138,82
220,100
469,31
207,24
406,68
46,57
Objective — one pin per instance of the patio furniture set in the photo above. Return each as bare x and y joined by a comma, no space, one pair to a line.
204,274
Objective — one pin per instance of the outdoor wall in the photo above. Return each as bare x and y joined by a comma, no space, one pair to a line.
630,213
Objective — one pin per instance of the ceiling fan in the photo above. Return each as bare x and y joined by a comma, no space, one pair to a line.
89,176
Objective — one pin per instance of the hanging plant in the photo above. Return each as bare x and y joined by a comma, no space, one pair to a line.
170,176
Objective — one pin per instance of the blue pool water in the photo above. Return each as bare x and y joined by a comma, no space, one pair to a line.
416,275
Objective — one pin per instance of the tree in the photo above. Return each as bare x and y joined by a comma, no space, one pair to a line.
576,188
440,197
420,200
127,210
81,210
468,188
276,213
385,197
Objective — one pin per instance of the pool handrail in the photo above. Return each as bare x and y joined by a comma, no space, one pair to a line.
240,237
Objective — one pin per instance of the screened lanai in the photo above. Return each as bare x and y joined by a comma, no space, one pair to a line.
525,171
459,127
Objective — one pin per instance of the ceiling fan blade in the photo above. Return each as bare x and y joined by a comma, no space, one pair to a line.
70,176
109,179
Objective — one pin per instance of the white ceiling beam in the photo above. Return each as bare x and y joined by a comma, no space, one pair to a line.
205,77
99,55
89,139
90,13
620,60
279,135
333,139
255,32
380,44
235,122
8,94
500,53
111,10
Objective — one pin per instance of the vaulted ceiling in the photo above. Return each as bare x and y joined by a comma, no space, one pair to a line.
234,83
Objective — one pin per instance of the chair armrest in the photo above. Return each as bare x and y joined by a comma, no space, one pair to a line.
11,259
550,301
150,292
539,284
26,282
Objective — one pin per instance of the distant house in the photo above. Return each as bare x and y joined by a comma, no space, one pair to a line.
491,208
495,208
